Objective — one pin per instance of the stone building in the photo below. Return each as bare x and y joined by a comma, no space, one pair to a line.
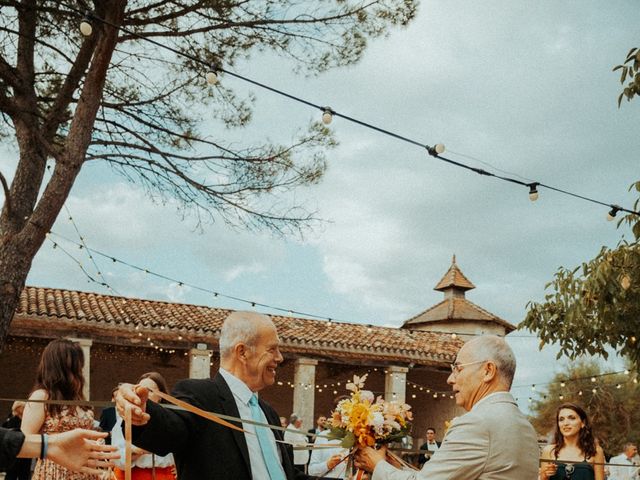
125,337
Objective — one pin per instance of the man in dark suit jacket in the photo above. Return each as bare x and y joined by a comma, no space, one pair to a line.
431,445
204,450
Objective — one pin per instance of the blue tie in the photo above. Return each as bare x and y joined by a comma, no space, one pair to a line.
270,458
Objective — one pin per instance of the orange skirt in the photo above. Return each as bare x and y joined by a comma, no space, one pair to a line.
138,473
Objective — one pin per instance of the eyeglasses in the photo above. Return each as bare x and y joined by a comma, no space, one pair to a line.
456,368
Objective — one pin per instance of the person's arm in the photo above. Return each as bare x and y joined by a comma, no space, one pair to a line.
547,469
599,460
34,413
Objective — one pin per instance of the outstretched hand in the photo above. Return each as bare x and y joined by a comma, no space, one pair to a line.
367,458
133,397
79,450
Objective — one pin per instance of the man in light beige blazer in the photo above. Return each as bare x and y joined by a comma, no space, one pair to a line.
492,441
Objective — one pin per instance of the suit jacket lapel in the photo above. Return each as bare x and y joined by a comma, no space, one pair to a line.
230,408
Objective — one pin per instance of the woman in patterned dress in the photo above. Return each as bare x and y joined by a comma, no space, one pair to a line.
59,377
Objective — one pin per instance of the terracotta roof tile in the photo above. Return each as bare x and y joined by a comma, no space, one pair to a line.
112,318
454,278
456,308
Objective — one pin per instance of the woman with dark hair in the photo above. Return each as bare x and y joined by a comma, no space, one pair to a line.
145,465
575,452
59,377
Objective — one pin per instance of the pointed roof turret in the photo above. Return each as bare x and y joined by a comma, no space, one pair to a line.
454,279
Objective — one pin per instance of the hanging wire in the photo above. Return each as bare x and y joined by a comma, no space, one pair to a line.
430,149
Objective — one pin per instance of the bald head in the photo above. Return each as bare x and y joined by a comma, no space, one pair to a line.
250,349
497,350
241,327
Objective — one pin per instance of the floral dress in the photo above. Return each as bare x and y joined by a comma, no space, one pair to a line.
67,420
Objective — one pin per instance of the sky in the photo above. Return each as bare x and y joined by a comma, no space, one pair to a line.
513,86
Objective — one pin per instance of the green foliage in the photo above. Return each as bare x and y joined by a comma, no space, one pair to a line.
630,69
595,305
614,408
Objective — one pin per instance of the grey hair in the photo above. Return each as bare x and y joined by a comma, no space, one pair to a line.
293,418
496,349
240,327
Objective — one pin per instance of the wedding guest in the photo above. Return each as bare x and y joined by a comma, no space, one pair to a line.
145,465
575,452
59,377
76,450
328,462
493,440
430,445
108,417
249,358
298,439
618,469
320,426
283,422
21,469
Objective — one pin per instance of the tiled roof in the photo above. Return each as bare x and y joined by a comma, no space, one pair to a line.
130,321
454,278
456,308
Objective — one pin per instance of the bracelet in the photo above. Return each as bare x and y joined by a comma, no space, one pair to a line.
43,445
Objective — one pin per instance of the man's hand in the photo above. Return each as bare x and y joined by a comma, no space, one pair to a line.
333,461
79,450
135,398
367,458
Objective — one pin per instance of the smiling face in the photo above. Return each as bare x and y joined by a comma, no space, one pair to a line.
262,360
569,422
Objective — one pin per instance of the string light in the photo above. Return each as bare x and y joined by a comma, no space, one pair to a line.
533,191
613,212
433,151
86,28
212,77
327,115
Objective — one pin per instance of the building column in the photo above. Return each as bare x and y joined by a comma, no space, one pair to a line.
85,344
304,391
395,384
200,361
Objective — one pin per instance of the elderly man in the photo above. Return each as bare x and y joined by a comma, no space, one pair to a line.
493,440
625,466
249,357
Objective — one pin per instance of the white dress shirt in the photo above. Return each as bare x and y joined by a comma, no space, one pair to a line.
148,460
242,394
621,472
319,456
300,457
432,447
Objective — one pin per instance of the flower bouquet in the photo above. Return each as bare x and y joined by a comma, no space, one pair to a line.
365,421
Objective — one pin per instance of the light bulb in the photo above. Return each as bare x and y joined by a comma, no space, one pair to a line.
612,213
327,116
436,150
85,27
533,192
212,77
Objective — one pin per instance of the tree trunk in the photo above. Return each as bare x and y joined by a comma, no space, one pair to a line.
22,232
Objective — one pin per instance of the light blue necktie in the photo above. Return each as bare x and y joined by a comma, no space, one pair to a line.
270,457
